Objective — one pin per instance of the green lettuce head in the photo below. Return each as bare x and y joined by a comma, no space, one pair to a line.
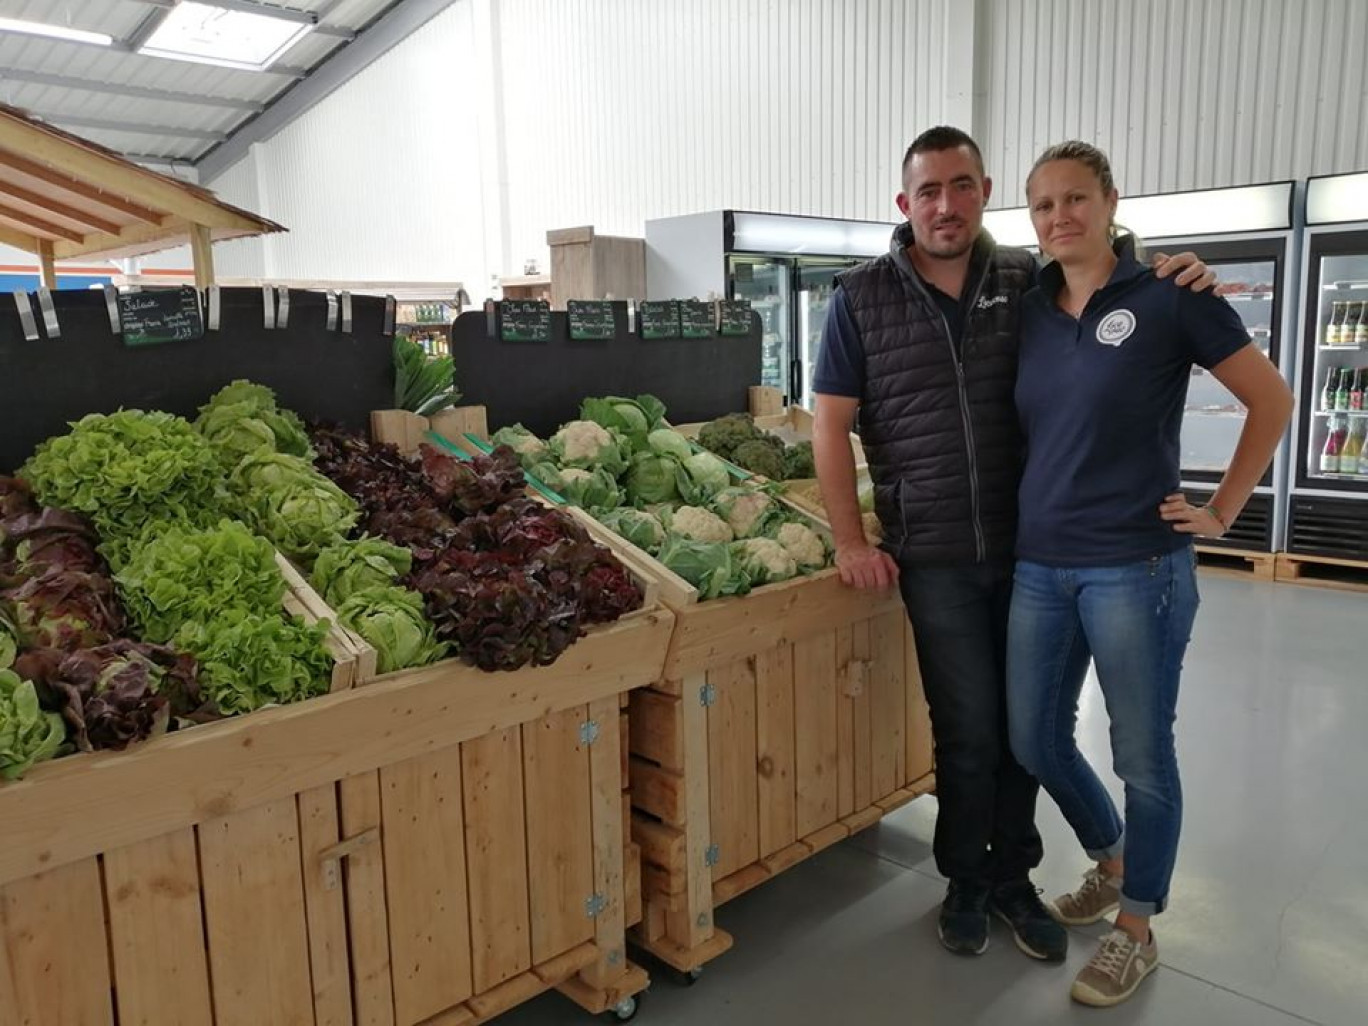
27,734
638,526
531,450
590,489
391,619
348,567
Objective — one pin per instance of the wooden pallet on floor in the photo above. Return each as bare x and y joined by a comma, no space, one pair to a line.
1323,571
1236,562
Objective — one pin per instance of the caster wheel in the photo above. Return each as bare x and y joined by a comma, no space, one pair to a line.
625,1010
688,979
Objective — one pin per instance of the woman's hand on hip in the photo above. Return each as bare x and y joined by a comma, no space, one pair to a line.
1189,519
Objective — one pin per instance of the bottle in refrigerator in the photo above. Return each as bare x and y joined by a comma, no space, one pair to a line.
1353,448
1356,389
1353,316
1342,393
1361,328
1332,330
1332,376
1334,445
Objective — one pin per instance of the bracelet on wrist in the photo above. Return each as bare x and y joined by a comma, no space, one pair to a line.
1216,515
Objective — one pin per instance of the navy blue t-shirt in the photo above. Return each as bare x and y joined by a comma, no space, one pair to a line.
1101,405
840,366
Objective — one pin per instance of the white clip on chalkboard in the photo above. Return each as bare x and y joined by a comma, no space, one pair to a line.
268,306
332,310
346,313
54,329
283,316
112,307
215,305
631,316
26,318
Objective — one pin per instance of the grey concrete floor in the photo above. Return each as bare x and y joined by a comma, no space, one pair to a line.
1268,921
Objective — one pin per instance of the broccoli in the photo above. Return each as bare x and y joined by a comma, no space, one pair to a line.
763,456
724,434
798,461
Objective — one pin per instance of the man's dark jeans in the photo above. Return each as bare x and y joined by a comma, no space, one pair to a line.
986,826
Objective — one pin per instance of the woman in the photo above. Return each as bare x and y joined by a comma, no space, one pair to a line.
1105,565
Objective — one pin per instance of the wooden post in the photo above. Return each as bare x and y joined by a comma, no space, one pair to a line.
201,246
47,264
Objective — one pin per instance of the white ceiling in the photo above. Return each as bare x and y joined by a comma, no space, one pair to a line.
151,108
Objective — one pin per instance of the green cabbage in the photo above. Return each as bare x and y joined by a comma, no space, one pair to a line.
391,619
709,566
548,474
634,419
668,442
700,477
590,489
348,567
27,733
653,477
531,450
638,526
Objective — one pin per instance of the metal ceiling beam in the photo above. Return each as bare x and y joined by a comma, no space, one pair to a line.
392,28
112,125
140,92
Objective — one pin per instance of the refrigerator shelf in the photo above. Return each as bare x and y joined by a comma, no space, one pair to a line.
1347,286
1198,411
1338,477
1248,297
1340,413
1340,349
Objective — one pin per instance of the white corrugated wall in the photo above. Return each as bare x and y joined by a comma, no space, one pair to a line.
241,258
1181,94
617,111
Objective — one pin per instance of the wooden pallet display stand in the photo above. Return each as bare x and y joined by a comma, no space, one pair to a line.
1244,563
1322,571
783,722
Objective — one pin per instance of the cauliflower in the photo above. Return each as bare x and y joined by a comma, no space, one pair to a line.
582,443
765,560
745,510
803,544
700,525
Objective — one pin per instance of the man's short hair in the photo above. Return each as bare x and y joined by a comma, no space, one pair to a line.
942,137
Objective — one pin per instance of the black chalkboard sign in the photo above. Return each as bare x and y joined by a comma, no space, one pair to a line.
525,320
160,315
659,318
736,317
591,320
696,319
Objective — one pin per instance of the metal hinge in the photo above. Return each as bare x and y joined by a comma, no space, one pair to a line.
594,905
707,695
712,856
589,732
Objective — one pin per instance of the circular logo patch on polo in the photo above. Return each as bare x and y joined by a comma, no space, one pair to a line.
1116,327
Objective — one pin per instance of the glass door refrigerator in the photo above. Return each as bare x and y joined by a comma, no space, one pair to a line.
1247,235
1328,507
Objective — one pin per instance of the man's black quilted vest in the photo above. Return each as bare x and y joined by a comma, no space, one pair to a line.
938,421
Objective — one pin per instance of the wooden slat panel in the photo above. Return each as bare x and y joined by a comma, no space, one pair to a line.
774,739
605,781
919,748
496,847
658,791
425,882
845,727
656,728
255,918
368,918
816,751
691,927
156,932
860,714
326,908
54,969
732,770
888,704
560,845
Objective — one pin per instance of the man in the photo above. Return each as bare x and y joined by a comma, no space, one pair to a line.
922,344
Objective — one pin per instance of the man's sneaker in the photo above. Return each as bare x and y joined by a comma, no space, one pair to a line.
1116,970
963,925
1017,903
1097,898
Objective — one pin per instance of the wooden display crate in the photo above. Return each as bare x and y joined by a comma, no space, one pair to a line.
1322,571
438,843
783,721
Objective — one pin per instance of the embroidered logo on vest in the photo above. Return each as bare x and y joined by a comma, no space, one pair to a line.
1116,327
988,302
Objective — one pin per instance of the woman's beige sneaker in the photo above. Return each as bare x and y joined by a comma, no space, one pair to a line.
1119,966
1097,898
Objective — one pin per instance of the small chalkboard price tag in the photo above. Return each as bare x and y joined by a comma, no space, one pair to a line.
525,320
659,318
736,317
591,320
161,315
697,319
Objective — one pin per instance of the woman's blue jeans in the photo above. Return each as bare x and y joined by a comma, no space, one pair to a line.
1134,623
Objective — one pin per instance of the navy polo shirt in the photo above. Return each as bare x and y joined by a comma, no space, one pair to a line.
1101,405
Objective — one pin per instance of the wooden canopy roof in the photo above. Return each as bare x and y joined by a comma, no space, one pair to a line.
62,196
